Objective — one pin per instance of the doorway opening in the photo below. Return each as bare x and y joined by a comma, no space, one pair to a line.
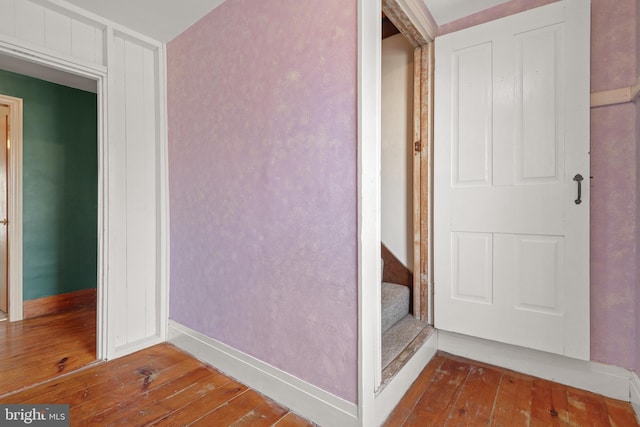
400,325
52,257
406,182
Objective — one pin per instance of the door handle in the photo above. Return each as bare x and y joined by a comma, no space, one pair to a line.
578,178
4,221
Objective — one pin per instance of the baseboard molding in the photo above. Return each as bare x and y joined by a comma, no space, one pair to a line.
635,393
301,397
57,303
388,398
607,380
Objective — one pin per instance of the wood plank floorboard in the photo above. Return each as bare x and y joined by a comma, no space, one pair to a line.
452,391
42,348
515,394
164,386
161,385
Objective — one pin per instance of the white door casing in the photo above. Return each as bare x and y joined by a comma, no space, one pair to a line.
4,128
14,207
511,132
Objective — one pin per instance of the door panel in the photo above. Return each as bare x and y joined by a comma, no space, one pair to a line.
471,96
511,131
538,103
472,270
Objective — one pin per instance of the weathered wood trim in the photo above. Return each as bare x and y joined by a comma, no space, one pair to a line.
426,187
389,397
57,303
413,20
422,181
616,96
417,180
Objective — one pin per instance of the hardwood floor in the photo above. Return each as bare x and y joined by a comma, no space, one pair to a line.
49,360
452,391
159,386
45,347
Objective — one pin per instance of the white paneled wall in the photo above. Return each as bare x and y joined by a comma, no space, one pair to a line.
133,152
130,71
33,25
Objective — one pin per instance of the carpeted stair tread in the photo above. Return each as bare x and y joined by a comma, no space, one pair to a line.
395,304
398,337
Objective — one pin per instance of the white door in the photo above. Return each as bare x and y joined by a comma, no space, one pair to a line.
511,132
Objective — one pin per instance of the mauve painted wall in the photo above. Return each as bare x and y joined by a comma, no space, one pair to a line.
263,184
637,296
615,206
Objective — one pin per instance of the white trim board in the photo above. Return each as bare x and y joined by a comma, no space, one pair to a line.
608,380
635,393
301,397
14,208
369,213
326,409
389,397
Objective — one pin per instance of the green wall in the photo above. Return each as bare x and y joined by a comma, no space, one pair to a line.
60,185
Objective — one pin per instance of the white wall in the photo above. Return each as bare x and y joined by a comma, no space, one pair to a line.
397,125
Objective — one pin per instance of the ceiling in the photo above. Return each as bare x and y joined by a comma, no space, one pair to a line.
163,20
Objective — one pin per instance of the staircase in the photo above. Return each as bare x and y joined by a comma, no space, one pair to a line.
399,327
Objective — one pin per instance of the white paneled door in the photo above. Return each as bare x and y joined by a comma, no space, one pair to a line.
511,222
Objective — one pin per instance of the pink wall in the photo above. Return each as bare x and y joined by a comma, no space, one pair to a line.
615,199
263,190
615,213
637,296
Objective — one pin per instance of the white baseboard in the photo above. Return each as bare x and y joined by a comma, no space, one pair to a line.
301,397
388,398
607,380
635,393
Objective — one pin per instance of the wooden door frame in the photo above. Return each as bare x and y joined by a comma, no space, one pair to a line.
14,208
420,30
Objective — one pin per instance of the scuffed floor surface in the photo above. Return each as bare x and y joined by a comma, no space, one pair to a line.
452,391
159,386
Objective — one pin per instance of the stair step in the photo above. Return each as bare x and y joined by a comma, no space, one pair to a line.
395,304
399,336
